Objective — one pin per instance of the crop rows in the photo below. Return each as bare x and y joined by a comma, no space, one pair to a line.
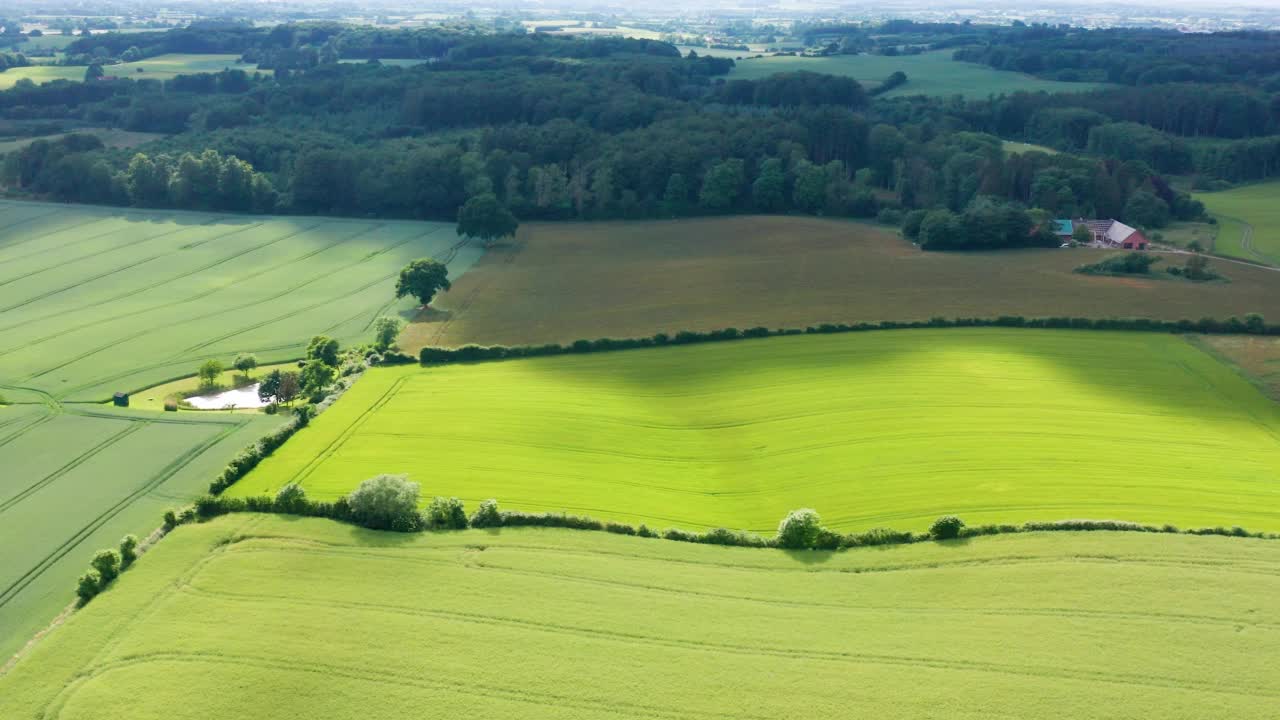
1095,625
877,429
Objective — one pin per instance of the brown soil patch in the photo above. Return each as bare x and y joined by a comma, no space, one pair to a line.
565,281
1258,358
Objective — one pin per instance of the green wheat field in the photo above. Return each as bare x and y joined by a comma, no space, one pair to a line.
266,617
888,428
99,300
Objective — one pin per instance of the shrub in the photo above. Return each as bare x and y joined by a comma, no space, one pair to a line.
386,502
89,585
107,563
878,536
1130,263
170,519
799,529
446,514
486,515
170,405
947,527
128,551
644,531
291,499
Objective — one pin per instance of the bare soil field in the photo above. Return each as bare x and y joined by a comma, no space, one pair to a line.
559,282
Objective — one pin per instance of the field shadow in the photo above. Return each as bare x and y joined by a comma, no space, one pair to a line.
1173,375
810,557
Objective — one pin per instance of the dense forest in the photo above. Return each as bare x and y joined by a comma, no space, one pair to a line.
564,128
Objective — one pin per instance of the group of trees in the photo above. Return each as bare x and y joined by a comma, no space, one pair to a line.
72,168
560,128
985,224
1131,56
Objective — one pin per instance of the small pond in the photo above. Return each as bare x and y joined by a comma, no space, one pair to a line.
245,397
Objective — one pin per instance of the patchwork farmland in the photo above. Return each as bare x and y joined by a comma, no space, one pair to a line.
94,301
1090,626
560,283
889,428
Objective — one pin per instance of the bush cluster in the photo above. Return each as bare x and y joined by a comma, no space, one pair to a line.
105,567
1252,324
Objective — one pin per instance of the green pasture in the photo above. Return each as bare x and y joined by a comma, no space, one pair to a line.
98,300
261,617
48,41
1250,221
160,67
931,73
111,137
889,428
164,67
40,74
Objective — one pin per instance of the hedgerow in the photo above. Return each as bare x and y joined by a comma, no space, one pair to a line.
799,530
1253,324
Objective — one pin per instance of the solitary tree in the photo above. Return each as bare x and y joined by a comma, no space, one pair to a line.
484,217
93,72
385,330
422,279
209,372
245,363
799,529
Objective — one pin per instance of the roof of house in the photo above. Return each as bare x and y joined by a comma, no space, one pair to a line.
1119,232
1062,227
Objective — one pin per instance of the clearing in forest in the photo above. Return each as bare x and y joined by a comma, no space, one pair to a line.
884,428
358,624
561,282
931,73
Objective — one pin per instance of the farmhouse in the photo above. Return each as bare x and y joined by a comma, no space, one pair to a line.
1106,233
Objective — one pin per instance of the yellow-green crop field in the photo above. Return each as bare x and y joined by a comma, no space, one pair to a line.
890,428
264,618
1250,220
98,300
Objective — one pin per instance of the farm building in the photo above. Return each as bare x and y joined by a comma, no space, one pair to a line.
1107,233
